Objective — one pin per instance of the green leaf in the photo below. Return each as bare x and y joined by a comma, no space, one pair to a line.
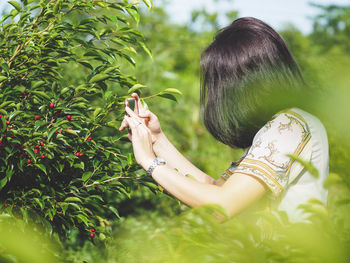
168,96
86,176
64,90
96,197
31,153
39,202
6,103
83,219
114,210
97,112
130,159
3,182
308,165
99,77
5,67
75,206
86,64
148,3
146,49
173,91
134,13
37,84
71,132
135,87
73,199
333,179
14,114
80,165
41,167
2,78
41,94
15,5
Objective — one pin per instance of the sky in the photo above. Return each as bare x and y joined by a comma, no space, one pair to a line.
277,13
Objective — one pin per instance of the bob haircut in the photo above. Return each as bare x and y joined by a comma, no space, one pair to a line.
247,76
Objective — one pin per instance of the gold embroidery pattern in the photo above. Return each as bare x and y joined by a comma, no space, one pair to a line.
257,144
273,152
275,174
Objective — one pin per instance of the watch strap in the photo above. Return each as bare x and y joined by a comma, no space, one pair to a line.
157,161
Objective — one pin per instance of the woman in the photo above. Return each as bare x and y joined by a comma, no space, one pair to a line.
251,95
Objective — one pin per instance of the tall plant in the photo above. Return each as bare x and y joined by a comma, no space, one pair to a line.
61,88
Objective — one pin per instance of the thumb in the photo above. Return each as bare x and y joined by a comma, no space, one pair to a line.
145,114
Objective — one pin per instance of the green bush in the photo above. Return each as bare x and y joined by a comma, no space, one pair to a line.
61,101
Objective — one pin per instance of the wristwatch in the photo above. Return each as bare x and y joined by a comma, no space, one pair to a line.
157,161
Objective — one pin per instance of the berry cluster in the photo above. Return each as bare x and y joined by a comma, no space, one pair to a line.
92,232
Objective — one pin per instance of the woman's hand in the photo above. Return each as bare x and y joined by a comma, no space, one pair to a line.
141,139
150,119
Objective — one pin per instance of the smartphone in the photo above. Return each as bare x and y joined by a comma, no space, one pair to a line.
131,104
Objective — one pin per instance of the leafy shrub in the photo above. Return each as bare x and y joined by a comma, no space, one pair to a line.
62,97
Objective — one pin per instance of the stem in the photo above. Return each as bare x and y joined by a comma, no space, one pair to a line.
111,180
154,95
115,154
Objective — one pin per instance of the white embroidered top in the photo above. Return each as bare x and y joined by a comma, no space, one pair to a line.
295,132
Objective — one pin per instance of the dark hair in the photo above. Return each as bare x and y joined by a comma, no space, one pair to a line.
247,75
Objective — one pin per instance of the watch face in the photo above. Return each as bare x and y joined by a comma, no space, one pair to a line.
160,161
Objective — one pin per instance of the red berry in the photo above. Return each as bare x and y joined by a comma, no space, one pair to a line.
69,117
97,188
52,105
89,139
7,122
37,146
29,161
24,93
92,229
79,154
92,235
0,116
55,201
43,156
36,150
60,130
37,117
0,141
41,143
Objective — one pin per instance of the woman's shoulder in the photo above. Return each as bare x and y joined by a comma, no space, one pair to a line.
315,128
286,127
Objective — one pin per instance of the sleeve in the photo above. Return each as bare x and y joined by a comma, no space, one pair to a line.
268,160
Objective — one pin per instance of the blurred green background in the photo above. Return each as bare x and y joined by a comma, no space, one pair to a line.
157,228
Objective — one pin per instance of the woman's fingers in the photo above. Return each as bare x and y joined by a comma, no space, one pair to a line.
132,113
123,125
147,114
140,107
